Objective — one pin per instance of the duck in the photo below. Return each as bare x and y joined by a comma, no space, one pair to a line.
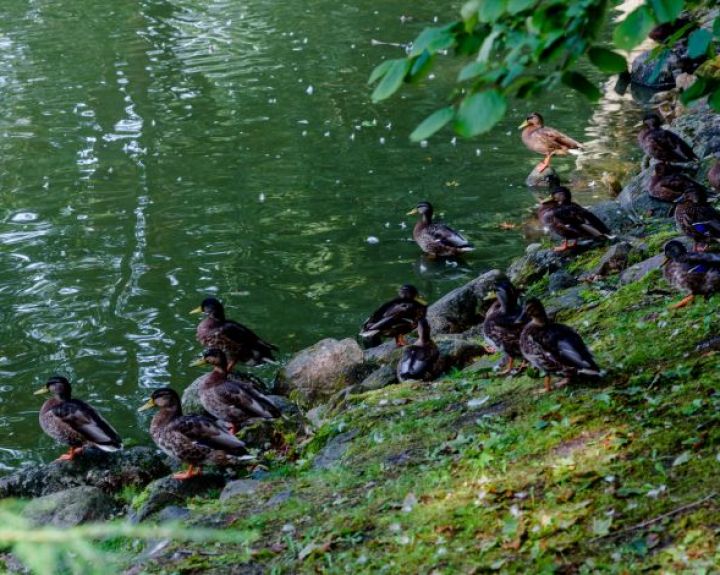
554,347
231,397
240,343
697,273
74,422
196,440
421,360
713,175
501,327
542,139
668,183
697,219
570,220
398,317
663,145
437,239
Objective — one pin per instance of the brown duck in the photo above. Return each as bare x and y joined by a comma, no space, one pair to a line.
668,183
421,360
663,145
193,439
240,343
571,221
231,397
553,347
74,422
697,219
435,238
397,317
501,327
545,140
697,273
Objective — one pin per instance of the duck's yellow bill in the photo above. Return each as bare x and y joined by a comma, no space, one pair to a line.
421,300
412,212
149,404
490,296
665,262
198,362
198,309
41,391
525,124
546,200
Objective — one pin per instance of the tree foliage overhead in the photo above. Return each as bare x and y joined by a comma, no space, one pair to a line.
520,48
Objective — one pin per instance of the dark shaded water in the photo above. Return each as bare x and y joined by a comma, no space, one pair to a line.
154,152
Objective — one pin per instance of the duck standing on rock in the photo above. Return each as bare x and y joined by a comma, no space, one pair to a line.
73,421
714,175
237,341
397,317
553,347
437,239
697,219
421,360
570,220
228,396
697,273
545,140
663,145
502,327
193,439
668,183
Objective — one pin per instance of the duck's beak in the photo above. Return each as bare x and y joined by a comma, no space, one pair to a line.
421,301
198,309
198,362
665,262
680,200
149,404
412,212
41,391
490,296
525,124
546,200
638,125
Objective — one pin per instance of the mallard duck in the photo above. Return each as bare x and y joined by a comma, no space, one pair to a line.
421,360
697,219
545,140
668,183
571,221
501,327
697,273
193,439
73,421
714,176
663,145
230,397
437,239
237,341
553,347
397,317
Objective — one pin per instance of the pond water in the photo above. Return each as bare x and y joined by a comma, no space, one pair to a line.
154,152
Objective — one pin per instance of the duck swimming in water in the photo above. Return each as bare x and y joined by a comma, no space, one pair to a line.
545,140
435,238
74,422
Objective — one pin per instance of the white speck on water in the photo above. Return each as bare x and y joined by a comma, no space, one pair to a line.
261,197
304,133
178,179
431,76
68,291
424,144
172,279
388,126
309,90
326,134
24,217
372,240
451,264
454,141
478,151
306,122
305,40
352,136
508,133
403,225
382,140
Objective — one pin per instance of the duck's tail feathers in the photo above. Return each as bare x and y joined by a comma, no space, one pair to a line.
369,332
593,372
576,151
108,448
467,248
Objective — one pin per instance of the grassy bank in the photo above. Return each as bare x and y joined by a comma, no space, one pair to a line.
478,473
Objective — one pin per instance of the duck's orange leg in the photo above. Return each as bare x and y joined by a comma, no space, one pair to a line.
189,473
71,454
509,367
563,247
400,340
686,301
547,383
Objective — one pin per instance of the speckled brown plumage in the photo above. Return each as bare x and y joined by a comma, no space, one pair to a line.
571,221
714,175
435,238
691,272
668,183
239,343
397,317
663,145
545,140
193,439
421,360
697,219
502,327
74,422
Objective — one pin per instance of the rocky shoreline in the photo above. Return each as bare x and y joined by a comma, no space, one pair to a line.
317,382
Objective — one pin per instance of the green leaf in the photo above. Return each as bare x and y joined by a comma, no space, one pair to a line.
432,40
491,10
472,70
698,89
479,113
606,60
634,29
421,66
666,10
392,80
515,6
578,82
714,100
698,42
379,71
470,9
487,45
432,124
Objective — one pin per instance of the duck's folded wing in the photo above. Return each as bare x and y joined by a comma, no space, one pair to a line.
207,432
86,421
446,236
245,397
238,333
392,313
556,138
572,349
